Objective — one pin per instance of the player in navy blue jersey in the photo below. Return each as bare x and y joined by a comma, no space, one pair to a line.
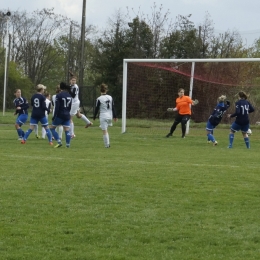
21,106
243,108
215,118
38,113
61,115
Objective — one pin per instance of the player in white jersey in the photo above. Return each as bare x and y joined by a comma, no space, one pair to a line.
48,105
60,127
75,107
106,108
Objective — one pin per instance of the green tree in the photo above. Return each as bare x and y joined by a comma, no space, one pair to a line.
140,39
16,79
183,41
110,50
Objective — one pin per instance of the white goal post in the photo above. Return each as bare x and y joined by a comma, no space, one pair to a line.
192,61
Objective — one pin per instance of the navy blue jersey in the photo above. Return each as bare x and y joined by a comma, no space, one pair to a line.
63,105
243,108
218,113
23,104
39,106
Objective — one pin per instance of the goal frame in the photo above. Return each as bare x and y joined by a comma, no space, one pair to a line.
192,61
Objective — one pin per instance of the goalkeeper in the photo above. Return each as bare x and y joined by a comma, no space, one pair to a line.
215,118
184,112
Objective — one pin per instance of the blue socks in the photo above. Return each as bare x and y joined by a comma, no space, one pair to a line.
211,138
27,134
55,135
247,142
231,139
68,137
20,132
48,133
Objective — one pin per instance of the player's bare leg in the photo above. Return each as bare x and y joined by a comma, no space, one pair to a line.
85,119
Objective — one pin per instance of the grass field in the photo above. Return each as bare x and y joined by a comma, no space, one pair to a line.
147,197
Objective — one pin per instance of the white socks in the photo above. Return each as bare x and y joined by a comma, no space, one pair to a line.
106,140
36,129
71,128
85,119
43,133
60,131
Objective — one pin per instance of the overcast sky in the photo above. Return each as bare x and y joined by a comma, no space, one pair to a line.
240,15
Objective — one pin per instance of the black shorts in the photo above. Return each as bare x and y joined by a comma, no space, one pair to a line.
182,118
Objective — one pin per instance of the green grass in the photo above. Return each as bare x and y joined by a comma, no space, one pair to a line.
147,197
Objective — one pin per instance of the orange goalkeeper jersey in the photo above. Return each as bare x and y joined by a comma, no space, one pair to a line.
183,105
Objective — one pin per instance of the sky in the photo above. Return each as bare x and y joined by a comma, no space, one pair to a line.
239,15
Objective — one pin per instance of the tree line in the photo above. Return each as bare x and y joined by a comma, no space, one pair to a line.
44,46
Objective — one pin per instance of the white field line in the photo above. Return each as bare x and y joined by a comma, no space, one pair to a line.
129,162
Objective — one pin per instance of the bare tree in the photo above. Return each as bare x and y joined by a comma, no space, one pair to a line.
33,41
206,35
158,23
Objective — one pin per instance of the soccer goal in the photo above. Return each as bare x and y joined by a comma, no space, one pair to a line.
150,86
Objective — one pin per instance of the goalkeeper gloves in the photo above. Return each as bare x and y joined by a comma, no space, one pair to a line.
196,101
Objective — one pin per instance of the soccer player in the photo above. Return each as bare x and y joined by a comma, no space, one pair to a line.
184,112
106,108
61,114
215,118
243,108
60,127
38,113
21,105
48,105
75,110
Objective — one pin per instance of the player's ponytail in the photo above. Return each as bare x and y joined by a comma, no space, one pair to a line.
72,76
58,90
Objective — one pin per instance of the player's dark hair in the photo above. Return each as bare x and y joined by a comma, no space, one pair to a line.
242,94
103,88
180,89
64,86
16,90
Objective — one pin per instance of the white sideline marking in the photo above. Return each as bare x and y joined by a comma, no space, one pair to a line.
129,162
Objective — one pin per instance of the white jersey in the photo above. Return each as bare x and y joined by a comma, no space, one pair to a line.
105,105
53,103
48,104
74,92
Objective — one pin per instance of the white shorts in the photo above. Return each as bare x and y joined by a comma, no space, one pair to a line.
74,108
105,123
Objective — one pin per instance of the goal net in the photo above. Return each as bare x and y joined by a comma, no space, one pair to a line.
151,86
